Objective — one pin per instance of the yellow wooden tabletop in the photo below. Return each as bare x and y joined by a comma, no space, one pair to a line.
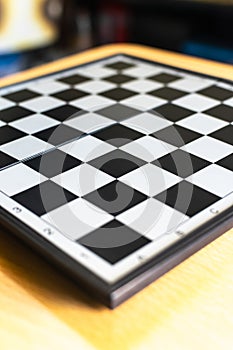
191,307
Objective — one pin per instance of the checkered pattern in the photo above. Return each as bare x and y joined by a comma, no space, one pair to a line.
118,153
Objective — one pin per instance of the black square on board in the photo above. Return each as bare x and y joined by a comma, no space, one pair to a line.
118,94
14,113
226,162
187,198
225,134
176,135
164,78
222,112
181,163
8,134
119,79
70,95
21,96
118,112
113,241
117,163
64,112
167,93
117,135
115,197
120,65
43,198
172,112
57,135
217,93
6,160
53,163
74,79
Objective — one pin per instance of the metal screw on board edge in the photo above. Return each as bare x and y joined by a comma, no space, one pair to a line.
214,211
48,231
17,210
141,257
180,233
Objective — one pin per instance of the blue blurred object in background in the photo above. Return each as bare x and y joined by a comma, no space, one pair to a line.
212,52
11,63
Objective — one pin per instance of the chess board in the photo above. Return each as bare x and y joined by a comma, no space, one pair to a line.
116,166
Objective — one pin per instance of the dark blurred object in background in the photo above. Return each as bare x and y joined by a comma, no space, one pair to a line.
198,27
37,31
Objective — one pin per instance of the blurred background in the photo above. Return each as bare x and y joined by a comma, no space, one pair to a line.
37,31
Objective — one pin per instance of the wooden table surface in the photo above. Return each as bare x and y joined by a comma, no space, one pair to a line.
191,307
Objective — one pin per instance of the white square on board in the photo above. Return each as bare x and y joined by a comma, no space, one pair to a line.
191,84
146,123
208,148
196,102
87,148
152,218
48,86
143,102
202,123
92,103
148,148
34,123
95,71
19,178
150,179
214,179
143,71
4,103
77,218
142,86
25,147
89,122
41,104
95,87
83,179
229,102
